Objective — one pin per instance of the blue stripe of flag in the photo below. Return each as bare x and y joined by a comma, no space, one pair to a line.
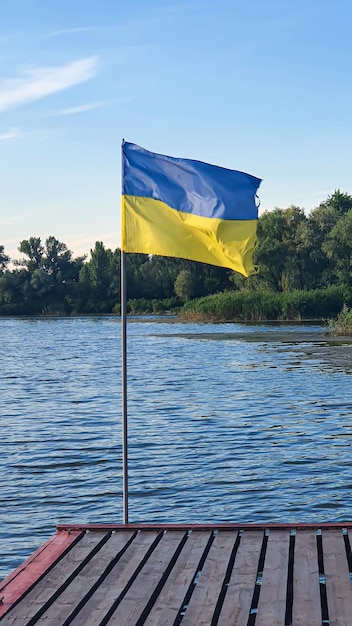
189,186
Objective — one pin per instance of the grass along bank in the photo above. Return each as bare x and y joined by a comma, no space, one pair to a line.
319,304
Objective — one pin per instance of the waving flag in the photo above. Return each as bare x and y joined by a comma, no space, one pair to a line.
188,209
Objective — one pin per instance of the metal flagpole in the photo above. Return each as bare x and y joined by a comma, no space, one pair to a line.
124,381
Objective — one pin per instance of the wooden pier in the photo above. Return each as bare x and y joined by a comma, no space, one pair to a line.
194,575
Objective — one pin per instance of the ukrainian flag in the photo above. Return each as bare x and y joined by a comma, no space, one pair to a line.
188,209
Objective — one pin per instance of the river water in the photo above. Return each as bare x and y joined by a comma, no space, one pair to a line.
227,422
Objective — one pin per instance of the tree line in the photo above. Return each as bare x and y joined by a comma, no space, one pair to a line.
296,253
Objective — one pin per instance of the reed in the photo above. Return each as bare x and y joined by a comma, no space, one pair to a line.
317,304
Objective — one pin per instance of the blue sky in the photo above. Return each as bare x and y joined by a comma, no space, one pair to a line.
261,86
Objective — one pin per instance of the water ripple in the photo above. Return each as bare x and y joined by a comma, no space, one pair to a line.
223,425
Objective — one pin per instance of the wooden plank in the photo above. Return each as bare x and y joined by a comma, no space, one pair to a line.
338,586
238,599
136,584
82,585
204,598
306,591
26,574
49,584
272,598
172,595
132,605
116,582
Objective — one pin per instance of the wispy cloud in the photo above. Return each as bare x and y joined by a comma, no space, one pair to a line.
41,82
13,133
78,109
67,31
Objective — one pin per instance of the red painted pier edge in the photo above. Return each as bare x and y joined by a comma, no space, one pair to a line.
22,579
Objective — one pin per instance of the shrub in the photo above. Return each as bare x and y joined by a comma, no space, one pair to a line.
342,325
267,305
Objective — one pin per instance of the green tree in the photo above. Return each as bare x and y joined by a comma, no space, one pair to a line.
282,249
4,259
136,284
13,298
337,204
59,262
338,249
34,250
52,275
212,279
100,280
321,222
157,277
184,285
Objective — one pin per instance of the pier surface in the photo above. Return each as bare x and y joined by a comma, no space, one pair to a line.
170,574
